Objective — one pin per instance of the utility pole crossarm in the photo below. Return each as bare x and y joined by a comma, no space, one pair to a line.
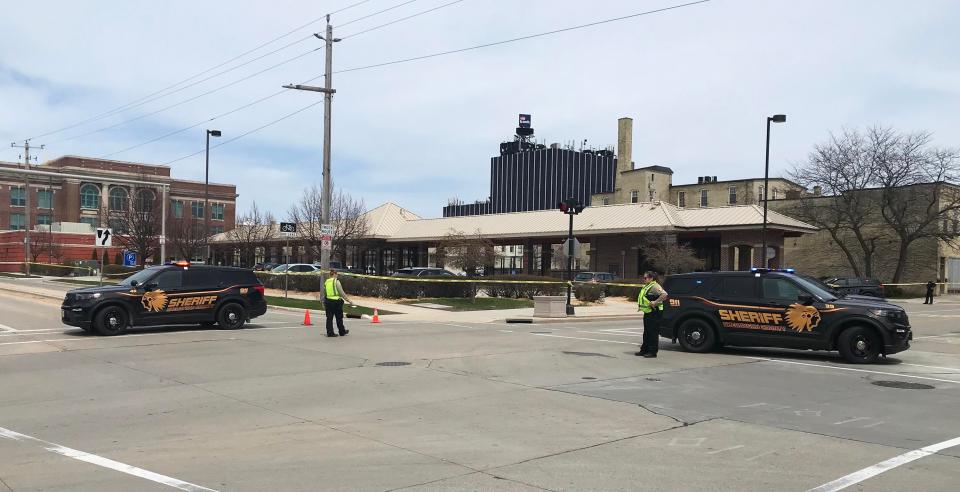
301,87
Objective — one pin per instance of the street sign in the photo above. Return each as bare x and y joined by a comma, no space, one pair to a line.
288,227
104,238
524,121
771,252
129,258
566,247
326,243
326,230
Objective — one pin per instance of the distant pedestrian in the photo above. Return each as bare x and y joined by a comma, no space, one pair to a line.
333,299
930,286
650,303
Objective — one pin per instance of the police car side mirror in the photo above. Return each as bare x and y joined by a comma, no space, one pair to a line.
150,286
805,299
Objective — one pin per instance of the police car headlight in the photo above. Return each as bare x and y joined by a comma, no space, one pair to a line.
889,313
88,297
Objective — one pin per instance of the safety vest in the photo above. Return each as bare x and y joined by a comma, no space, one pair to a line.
330,289
643,302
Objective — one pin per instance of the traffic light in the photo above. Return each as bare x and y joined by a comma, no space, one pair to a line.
570,206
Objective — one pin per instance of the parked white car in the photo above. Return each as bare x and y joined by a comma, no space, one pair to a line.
296,268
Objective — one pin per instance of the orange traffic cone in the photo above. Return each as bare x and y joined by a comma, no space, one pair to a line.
306,318
376,316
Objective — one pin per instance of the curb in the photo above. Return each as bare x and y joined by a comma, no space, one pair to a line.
58,297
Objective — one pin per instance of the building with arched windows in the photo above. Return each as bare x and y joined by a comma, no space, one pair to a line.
76,195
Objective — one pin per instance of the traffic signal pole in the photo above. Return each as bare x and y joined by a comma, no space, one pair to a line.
570,311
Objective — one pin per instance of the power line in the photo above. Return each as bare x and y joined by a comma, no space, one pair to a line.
358,19
171,106
137,102
238,137
401,19
522,38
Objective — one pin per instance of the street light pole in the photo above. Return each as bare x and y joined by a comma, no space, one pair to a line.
570,265
328,92
777,118
206,198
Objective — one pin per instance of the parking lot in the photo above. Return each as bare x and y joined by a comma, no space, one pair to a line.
450,406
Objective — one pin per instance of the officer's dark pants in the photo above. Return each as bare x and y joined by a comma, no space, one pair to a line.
929,298
334,309
651,332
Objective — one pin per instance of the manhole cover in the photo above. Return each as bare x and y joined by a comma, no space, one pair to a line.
588,377
393,364
586,354
903,385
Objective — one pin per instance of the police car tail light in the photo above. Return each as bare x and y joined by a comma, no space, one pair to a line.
259,288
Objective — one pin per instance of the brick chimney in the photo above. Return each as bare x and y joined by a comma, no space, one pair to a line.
624,144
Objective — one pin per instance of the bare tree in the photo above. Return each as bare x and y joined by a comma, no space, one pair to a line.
185,235
670,257
252,231
45,245
843,169
346,216
138,227
468,253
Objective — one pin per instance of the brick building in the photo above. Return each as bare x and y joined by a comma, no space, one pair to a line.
75,195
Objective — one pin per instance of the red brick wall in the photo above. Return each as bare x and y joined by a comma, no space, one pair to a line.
73,246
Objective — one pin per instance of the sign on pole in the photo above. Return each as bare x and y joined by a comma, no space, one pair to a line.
104,238
326,230
524,121
129,258
326,243
576,247
288,227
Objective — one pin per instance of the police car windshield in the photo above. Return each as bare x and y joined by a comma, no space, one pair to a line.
816,289
139,277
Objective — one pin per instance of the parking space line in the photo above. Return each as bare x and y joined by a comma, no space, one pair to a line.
103,462
851,420
731,448
872,471
855,370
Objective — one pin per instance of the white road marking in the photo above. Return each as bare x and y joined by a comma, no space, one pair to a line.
612,334
932,367
855,370
104,462
731,448
768,453
505,331
851,420
581,338
873,424
7,328
753,405
948,335
872,471
808,413
687,441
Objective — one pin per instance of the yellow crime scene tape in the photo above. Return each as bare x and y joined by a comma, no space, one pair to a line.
429,280
69,267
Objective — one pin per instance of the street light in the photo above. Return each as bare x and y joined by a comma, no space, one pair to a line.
206,196
777,118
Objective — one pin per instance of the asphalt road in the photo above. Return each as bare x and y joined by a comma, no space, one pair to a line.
472,407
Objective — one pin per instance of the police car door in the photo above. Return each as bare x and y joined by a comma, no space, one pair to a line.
801,322
735,298
199,296
154,305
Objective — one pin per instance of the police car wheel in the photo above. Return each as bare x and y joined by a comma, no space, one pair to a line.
111,320
231,317
859,345
696,335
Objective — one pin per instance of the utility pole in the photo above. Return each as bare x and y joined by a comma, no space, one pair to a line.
328,93
26,214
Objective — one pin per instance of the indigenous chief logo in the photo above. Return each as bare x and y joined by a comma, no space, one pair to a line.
154,301
802,318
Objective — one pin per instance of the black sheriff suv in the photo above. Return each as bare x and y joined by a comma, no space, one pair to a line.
776,308
172,294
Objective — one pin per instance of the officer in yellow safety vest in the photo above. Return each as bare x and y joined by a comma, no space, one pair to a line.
650,303
333,298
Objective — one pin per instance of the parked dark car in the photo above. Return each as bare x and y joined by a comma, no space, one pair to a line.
265,267
175,294
856,286
594,277
771,308
423,272
838,292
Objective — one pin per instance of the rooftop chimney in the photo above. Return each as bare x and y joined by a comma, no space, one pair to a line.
817,191
624,144
699,180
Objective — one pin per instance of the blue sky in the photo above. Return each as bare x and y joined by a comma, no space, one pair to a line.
698,81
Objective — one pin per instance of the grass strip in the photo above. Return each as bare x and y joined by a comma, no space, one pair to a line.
318,306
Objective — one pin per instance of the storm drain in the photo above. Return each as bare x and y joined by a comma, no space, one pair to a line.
392,364
586,354
903,385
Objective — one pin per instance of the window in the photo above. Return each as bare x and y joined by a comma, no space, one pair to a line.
197,209
17,222
703,198
682,199
738,287
780,289
651,177
144,202
90,220
216,211
119,199
45,199
761,195
197,231
634,196
18,198
44,220
651,193
176,207
776,194
216,229
733,195
118,225
169,279
683,285
200,278
89,196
